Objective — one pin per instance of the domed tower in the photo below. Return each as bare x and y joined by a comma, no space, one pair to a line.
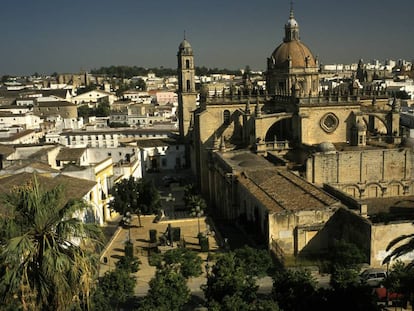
292,65
187,96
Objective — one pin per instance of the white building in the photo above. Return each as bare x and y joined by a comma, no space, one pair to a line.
92,98
110,137
27,121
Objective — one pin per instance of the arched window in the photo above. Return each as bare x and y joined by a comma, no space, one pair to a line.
187,64
226,117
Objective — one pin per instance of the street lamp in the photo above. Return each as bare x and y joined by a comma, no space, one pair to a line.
170,198
197,211
127,220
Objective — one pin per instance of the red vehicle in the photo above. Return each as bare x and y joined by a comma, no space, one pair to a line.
381,293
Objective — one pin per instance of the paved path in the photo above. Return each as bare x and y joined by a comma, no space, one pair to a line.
140,238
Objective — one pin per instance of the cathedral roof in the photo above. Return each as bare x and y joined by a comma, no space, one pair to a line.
294,51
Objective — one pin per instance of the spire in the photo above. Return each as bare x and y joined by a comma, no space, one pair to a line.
222,144
257,110
291,27
247,109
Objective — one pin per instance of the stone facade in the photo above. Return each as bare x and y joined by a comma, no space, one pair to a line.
374,173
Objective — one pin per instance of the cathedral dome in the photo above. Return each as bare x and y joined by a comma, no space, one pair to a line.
185,47
326,147
294,51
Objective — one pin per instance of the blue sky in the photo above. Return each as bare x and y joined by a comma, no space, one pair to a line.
66,36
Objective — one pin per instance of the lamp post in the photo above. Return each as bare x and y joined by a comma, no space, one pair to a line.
170,198
197,211
127,220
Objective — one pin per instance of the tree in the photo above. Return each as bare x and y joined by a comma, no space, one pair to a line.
192,200
113,289
402,249
400,279
255,262
128,262
294,290
103,110
342,278
183,260
168,291
125,196
84,111
135,197
229,282
149,197
85,89
48,259
5,78
346,255
354,297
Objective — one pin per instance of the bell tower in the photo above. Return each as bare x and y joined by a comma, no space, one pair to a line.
187,95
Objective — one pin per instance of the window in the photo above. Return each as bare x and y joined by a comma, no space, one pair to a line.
187,64
226,117
188,86
329,122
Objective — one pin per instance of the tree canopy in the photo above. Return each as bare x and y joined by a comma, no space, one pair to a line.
183,260
168,291
229,282
131,71
103,110
48,259
135,196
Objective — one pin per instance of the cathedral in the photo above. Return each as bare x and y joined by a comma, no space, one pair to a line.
286,159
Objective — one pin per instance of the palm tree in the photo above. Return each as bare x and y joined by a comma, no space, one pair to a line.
47,261
401,250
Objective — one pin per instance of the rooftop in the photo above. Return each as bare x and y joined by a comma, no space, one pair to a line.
281,190
70,154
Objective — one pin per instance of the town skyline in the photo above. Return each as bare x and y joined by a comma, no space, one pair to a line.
51,37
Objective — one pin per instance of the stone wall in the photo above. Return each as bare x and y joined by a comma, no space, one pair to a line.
382,234
313,133
294,231
343,225
365,173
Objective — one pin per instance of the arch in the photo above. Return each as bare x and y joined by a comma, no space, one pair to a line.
395,188
280,130
226,117
352,190
187,64
373,190
382,119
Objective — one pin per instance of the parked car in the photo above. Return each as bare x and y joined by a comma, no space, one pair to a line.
373,277
167,180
